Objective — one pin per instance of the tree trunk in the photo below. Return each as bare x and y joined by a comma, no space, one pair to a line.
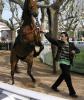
54,32
54,29
1,9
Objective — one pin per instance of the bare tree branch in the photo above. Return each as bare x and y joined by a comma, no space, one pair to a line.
6,22
19,2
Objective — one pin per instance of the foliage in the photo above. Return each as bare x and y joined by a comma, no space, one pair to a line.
14,21
68,19
71,33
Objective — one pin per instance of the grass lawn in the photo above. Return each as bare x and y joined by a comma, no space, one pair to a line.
79,62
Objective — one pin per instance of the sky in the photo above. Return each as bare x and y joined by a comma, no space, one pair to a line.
6,11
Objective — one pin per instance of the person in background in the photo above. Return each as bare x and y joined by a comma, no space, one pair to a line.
65,55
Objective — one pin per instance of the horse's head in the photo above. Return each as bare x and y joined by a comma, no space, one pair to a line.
33,7
28,27
30,8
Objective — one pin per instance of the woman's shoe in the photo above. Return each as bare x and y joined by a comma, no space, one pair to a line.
73,95
55,89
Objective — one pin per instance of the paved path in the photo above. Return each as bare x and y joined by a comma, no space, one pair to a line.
43,75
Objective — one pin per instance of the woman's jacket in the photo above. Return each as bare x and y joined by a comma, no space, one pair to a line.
59,44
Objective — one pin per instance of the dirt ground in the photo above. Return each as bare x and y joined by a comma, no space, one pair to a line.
43,75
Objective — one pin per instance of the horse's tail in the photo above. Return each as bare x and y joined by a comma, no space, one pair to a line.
49,18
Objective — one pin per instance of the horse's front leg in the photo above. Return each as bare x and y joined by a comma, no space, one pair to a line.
29,69
16,69
40,49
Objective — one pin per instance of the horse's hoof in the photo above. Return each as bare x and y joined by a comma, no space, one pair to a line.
9,82
12,83
35,85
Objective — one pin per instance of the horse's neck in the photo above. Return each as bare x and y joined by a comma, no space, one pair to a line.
27,21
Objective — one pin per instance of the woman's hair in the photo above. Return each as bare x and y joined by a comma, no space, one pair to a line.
66,34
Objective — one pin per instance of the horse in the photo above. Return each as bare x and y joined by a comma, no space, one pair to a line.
28,37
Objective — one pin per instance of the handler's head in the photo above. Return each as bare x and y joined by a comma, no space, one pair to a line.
64,36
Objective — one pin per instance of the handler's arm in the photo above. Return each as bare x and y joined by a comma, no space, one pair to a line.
53,40
76,48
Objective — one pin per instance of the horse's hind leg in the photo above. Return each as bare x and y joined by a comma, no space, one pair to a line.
29,72
16,68
29,61
13,61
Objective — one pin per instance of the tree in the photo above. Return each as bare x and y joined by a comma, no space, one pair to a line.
55,8
68,19
19,2
1,8
65,7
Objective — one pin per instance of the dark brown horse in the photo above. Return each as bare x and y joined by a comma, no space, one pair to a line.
28,37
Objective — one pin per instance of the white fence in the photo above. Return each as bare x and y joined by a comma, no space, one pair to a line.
79,43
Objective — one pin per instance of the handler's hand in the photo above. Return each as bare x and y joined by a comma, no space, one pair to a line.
73,51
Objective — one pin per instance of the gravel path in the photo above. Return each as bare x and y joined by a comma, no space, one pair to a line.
43,75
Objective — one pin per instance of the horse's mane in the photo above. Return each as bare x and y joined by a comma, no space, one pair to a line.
26,14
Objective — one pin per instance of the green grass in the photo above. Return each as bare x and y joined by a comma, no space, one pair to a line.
79,62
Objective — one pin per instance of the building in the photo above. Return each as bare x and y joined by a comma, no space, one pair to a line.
5,37
5,33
